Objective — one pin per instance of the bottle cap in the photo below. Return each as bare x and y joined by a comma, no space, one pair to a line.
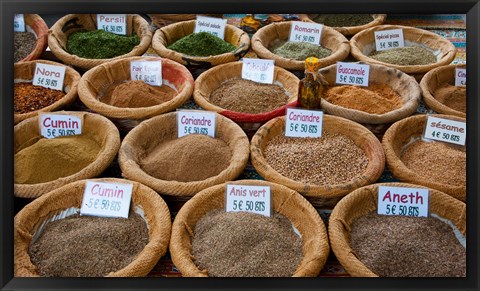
312,64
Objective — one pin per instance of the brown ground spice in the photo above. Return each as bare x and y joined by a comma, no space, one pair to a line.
243,244
405,56
136,94
194,157
86,246
249,97
50,159
374,99
328,160
452,96
400,246
437,162
28,98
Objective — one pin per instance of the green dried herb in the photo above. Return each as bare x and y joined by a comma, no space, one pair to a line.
99,44
343,20
301,50
201,44
405,56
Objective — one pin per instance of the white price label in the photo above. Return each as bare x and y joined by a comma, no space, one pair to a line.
106,199
402,201
57,125
114,23
49,76
352,74
258,70
306,32
254,199
195,122
303,123
149,72
445,130
212,25
389,39
460,77
19,23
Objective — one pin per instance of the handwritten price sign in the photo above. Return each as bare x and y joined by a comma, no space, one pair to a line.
257,70
149,72
460,77
445,130
106,199
303,123
114,23
19,23
254,199
352,74
306,32
49,76
195,122
402,201
57,125
213,25
388,39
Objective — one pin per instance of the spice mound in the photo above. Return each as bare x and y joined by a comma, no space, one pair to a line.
201,44
24,44
343,20
405,56
452,96
448,166
99,44
50,159
85,246
328,160
193,157
374,99
247,96
136,94
400,246
301,50
28,97
244,244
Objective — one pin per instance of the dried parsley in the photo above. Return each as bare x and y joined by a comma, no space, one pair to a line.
201,44
301,50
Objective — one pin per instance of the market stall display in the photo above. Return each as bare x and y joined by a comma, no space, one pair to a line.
346,24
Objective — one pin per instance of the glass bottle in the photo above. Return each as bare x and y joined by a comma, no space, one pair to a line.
311,86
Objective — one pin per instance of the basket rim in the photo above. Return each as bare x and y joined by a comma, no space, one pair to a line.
378,19
42,38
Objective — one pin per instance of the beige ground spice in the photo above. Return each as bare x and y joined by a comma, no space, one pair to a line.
194,157
243,244
452,96
374,99
400,246
437,162
328,160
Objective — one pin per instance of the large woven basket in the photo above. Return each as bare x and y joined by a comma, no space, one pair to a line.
69,197
363,201
59,32
321,195
284,201
169,34
159,129
36,25
435,79
266,37
402,133
161,20
24,72
378,19
95,126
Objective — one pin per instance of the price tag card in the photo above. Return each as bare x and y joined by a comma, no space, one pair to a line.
460,77
149,72
445,130
306,32
56,125
212,25
257,70
402,201
19,23
114,23
106,199
49,76
388,39
352,74
199,122
303,123
254,199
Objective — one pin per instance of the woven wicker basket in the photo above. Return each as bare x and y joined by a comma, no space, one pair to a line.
59,32
284,201
167,35
95,126
69,197
435,79
36,25
401,134
266,37
321,195
161,20
363,201
363,43
24,72
156,130
378,19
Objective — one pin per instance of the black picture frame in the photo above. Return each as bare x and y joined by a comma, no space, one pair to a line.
8,8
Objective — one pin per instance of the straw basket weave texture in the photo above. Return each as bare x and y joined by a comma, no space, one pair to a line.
161,20
35,24
378,19
284,201
156,215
